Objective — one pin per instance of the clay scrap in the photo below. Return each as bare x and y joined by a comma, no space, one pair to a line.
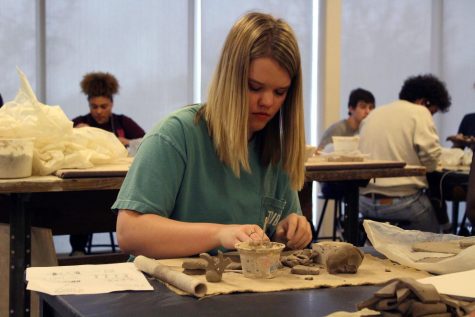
447,246
195,264
305,270
407,297
305,257
336,257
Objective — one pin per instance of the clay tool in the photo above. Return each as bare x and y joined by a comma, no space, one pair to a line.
266,220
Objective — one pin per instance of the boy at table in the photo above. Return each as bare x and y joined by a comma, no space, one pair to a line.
404,131
208,175
360,104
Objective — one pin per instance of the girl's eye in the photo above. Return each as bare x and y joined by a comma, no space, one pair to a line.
281,92
254,87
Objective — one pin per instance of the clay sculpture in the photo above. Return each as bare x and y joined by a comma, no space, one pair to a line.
338,257
215,267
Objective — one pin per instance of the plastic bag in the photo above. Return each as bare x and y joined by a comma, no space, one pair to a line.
396,244
451,157
467,157
56,143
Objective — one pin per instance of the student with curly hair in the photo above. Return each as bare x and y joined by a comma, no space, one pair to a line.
404,131
100,88
207,176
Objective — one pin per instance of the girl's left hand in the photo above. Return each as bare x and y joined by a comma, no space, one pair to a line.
294,231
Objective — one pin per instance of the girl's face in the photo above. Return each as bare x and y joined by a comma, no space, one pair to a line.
268,84
101,109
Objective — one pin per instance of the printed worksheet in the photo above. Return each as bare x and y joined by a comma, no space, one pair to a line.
86,279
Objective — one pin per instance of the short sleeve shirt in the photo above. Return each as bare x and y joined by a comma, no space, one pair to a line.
340,128
177,174
467,126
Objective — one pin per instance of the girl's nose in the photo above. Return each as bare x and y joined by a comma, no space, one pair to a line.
267,98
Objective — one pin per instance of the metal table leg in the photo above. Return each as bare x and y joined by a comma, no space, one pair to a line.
351,199
20,256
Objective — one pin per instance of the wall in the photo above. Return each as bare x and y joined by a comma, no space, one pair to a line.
384,42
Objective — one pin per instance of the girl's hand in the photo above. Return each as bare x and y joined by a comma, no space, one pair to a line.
294,231
229,235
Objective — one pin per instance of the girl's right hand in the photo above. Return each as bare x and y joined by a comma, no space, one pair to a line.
229,235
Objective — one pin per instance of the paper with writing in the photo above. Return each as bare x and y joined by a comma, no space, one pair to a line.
86,279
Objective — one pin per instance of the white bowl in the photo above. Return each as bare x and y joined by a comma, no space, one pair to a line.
16,158
345,144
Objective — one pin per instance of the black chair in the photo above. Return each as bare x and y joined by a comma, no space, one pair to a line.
337,216
331,191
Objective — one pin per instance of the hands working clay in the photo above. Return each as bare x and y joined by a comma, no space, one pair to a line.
462,141
207,176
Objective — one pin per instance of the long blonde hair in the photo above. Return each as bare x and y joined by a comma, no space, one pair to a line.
253,36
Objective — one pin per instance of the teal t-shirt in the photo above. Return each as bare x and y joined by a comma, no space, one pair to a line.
177,174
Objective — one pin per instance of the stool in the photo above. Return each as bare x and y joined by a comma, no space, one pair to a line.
90,245
337,211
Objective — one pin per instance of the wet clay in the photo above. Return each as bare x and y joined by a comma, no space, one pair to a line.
338,257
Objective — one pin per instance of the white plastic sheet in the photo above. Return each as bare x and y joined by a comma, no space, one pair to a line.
451,156
396,244
57,144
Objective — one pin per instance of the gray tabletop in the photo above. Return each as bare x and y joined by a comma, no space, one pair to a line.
163,302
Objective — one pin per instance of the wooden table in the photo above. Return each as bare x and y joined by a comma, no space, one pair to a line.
20,192
355,175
